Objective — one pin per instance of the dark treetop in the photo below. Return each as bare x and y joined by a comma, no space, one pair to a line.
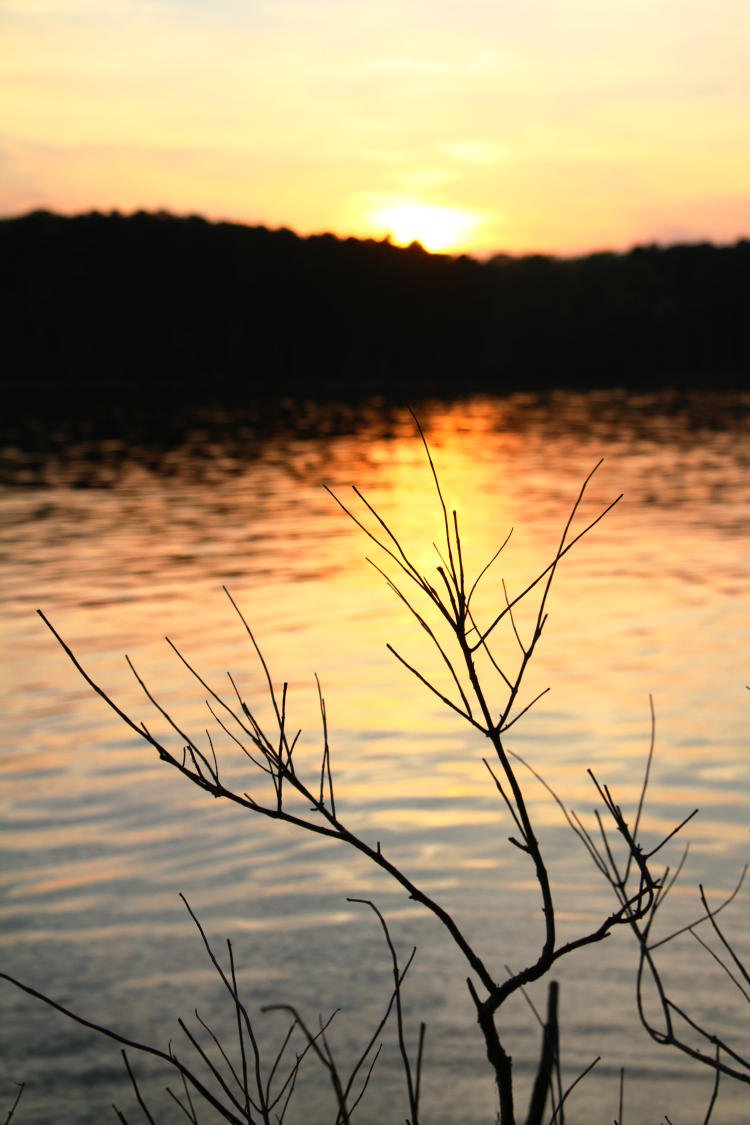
100,304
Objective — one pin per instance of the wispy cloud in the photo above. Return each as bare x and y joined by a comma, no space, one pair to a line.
424,67
561,125
473,152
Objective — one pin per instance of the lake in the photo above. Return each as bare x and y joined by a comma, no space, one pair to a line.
122,537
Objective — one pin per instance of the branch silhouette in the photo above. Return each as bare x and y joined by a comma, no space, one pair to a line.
484,686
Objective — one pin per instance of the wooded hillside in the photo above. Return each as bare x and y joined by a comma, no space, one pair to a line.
152,300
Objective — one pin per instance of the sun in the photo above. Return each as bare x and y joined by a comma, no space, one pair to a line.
436,228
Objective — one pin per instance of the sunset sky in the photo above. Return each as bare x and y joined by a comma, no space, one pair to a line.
488,125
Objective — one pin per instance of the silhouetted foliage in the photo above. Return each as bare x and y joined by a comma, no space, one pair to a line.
183,308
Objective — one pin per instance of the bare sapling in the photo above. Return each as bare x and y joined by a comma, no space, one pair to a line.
484,659
255,1088
675,1025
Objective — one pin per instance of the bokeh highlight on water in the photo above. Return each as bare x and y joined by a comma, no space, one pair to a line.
121,542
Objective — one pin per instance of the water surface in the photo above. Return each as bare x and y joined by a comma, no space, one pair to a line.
122,539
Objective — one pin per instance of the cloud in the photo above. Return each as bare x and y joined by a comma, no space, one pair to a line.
472,152
567,118
434,67
429,177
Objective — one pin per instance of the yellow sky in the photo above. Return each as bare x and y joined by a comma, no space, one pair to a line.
516,125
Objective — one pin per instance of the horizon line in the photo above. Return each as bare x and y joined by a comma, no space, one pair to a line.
482,257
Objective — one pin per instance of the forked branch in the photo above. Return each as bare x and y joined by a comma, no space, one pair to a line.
483,685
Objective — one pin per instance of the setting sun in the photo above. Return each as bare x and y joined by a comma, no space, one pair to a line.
436,228
556,128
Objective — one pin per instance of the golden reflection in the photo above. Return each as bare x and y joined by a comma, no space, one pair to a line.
654,601
99,836
403,486
90,877
435,818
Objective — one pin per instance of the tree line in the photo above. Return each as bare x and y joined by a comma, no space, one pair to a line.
155,301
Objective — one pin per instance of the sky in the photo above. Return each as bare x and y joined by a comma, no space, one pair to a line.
478,126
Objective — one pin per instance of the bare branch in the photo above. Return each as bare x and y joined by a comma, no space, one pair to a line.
12,1110
397,979
137,1091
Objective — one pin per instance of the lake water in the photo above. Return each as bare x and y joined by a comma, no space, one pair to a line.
122,539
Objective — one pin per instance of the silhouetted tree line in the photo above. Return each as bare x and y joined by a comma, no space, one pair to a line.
156,302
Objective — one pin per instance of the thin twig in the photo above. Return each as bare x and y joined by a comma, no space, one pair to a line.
12,1110
138,1094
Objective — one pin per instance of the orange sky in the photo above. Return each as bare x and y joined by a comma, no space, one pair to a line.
517,125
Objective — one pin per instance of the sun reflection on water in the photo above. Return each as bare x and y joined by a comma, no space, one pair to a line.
656,600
